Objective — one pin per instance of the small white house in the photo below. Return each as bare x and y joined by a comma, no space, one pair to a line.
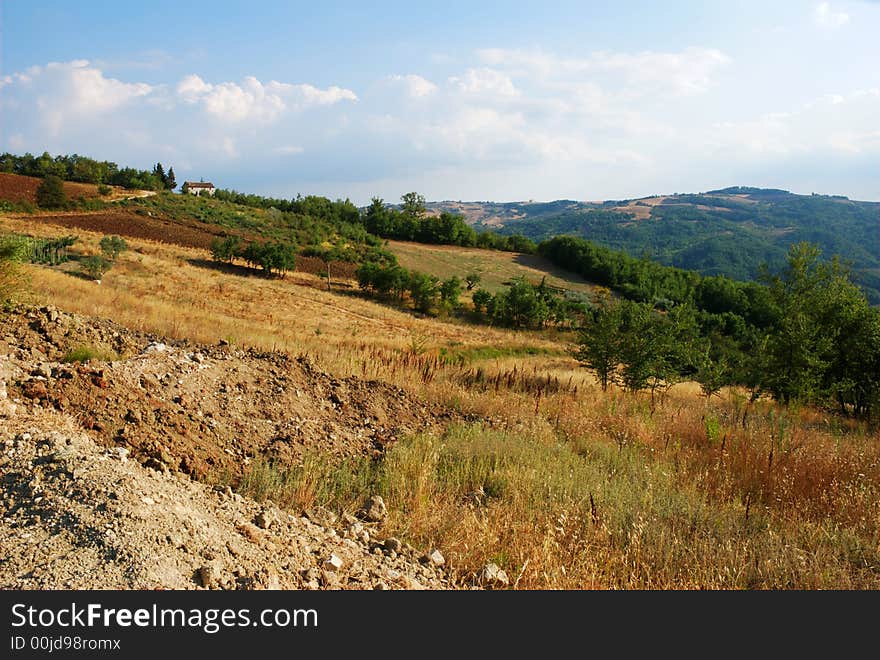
198,187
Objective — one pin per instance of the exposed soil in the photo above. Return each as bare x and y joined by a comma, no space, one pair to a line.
79,516
202,410
17,188
97,457
134,225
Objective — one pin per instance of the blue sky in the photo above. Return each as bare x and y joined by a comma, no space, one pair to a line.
457,100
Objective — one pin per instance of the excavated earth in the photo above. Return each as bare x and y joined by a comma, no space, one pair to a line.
203,410
101,463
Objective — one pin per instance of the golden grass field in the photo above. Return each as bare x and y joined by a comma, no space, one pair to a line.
495,268
561,484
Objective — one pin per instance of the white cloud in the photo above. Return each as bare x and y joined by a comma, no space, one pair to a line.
485,81
826,17
685,72
416,86
254,101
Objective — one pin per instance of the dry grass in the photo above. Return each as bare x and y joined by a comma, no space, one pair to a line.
496,268
582,488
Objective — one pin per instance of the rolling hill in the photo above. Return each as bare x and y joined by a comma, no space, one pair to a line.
730,232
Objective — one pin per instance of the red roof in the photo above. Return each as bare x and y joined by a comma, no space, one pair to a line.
193,184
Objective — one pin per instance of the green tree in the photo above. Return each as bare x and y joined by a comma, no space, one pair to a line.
159,173
799,348
170,180
472,280
95,266
450,290
413,206
50,192
482,299
338,251
424,290
520,306
599,342
113,246
225,249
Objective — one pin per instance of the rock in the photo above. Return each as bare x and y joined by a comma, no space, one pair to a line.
493,577
321,516
208,576
374,510
434,558
392,544
264,519
333,563
35,389
43,370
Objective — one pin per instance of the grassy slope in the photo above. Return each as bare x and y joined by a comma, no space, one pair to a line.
495,268
583,489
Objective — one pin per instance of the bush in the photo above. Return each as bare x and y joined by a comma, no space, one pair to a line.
113,246
104,190
13,251
86,353
95,267
50,193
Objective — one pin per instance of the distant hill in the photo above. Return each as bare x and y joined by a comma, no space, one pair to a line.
731,231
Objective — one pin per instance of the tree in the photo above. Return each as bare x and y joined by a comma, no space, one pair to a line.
599,342
50,192
113,246
170,180
159,173
225,249
799,349
338,251
423,289
520,306
95,266
472,280
413,206
450,290
482,299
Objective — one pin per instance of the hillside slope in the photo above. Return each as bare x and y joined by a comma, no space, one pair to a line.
729,232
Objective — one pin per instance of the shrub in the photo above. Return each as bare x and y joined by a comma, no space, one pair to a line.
113,246
86,353
95,266
104,190
50,193
13,251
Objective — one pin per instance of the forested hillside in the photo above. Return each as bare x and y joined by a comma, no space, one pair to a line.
720,232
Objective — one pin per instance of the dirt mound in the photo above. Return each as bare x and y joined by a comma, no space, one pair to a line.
92,456
79,516
203,410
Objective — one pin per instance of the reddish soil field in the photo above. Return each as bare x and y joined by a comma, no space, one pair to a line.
18,188
133,225
191,234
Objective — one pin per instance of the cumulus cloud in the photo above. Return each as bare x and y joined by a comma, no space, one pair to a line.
826,17
522,123
485,81
254,101
69,91
416,86
685,72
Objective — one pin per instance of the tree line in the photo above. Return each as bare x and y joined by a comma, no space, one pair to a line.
820,345
88,170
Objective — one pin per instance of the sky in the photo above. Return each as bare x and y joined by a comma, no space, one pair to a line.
501,101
